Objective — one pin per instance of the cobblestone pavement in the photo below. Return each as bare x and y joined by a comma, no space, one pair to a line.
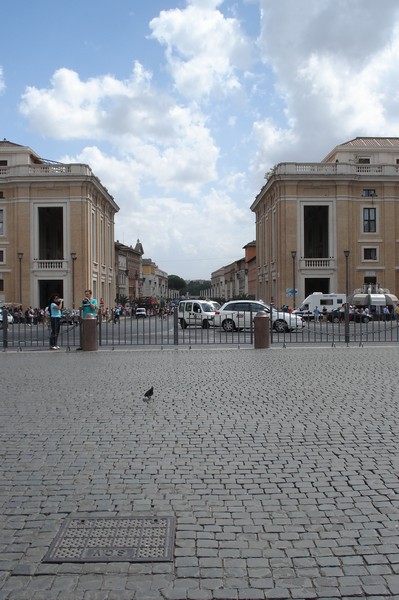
281,467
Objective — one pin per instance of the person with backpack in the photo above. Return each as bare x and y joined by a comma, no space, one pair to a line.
55,309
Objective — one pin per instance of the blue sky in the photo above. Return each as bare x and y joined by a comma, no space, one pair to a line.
181,106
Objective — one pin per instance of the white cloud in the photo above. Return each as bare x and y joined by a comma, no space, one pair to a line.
166,142
2,81
336,79
203,48
186,235
194,237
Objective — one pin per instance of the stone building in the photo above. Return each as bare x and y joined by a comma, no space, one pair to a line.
155,282
237,279
325,226
128,264
56,230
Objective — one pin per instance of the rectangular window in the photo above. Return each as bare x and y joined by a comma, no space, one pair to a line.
51,232
94,236
1,221
1,285
102,241
363,160
369,220
369,253
368,193
1,194
2,256
3,163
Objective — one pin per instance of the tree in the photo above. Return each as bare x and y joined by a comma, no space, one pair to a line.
122,299
176,283
195,287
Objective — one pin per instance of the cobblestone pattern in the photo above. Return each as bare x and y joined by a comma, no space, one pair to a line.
280,465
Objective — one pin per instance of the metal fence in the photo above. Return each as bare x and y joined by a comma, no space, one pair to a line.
156,331
380,329
123,331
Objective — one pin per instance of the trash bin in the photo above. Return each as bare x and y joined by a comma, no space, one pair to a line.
89,333
261,331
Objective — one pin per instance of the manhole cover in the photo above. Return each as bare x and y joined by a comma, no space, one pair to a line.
113,539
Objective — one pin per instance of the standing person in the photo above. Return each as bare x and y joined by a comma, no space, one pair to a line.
117,314
88,304
55,306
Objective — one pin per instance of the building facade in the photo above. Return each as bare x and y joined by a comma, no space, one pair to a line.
56,230
236,280
129,269
325,226
155,282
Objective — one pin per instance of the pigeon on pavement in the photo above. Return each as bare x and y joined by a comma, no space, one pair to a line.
149,393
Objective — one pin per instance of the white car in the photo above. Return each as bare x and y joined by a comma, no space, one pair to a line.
196,312
10,318
141,313
237,314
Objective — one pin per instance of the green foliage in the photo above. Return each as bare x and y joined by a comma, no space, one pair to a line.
176,283
122,299
194,288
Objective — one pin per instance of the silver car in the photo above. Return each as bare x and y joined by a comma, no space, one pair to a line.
237,314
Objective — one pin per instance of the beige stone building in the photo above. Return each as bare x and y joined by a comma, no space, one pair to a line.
129,272
155,283
236,280
309,215
56,230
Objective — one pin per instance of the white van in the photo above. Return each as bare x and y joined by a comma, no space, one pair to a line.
318,299
196,312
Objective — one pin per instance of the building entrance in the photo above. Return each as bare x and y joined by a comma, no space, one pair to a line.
48,287
317,284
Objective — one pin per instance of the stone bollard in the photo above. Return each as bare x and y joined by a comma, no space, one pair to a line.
262,330
89,333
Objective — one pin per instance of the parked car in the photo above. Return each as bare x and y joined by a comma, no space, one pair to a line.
337,316
10,318
215,304
196,312
141,313
359,317
237,314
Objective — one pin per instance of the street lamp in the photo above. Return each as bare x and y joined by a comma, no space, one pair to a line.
346,252
73,257
20,256
293,254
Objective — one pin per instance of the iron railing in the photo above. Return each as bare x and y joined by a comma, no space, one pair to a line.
157,331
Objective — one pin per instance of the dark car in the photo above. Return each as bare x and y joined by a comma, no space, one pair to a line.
337,316
359,317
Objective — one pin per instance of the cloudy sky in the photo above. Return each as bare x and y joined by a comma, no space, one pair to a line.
181,106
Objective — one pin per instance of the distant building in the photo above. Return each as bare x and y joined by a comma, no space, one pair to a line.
56,230
155,282
238,279
308,215
129,269
250,266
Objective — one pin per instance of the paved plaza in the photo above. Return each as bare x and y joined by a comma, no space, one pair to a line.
281,467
